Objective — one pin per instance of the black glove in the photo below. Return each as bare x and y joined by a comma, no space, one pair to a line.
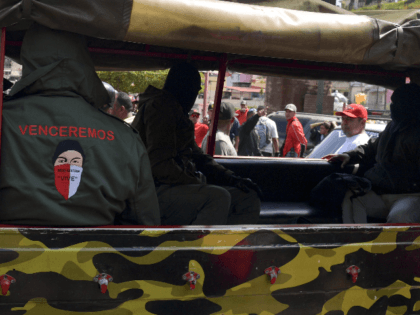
244,184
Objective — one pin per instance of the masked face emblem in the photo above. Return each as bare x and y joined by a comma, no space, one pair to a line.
68,168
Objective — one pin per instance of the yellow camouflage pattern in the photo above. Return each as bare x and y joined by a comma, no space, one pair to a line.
312,281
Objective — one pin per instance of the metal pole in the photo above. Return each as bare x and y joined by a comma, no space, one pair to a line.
217,101
2,55
320,96
206,93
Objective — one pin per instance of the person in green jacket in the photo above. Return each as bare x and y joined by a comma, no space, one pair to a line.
64,162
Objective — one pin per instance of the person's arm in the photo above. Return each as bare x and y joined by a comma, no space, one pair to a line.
249,125
314,125
160,118
214,172
298,137
363,154
276,146
142,208
225,149
237,143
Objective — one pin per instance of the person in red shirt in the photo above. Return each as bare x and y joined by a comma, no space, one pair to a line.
242,113
295,137
200,130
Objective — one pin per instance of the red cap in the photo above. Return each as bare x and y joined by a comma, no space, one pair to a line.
354,111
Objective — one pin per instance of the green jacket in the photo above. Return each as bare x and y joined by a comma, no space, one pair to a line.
169,138
64,162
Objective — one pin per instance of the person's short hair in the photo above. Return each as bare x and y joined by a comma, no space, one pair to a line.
260,107
124,100
251,112
329,125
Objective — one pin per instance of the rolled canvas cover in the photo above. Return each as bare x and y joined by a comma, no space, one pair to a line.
226,27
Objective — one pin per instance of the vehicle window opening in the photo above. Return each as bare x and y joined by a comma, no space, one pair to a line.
295,200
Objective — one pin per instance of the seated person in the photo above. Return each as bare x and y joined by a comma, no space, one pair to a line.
325,128
223,143
191,187
64,162
394,158
353,125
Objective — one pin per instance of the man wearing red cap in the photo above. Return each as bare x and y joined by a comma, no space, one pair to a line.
392,161
353,125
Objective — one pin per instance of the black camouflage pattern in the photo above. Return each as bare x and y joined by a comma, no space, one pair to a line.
54,270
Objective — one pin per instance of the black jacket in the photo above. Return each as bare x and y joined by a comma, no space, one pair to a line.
169,138
248,139
395,157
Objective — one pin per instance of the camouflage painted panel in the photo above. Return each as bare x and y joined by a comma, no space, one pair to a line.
54,270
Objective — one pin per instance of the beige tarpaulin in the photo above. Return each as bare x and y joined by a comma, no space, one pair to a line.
214,27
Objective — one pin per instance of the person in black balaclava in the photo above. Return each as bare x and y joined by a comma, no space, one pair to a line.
188,182
395,160
6,84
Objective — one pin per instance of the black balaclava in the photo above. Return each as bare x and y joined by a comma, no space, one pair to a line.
67,145
184,82
405,103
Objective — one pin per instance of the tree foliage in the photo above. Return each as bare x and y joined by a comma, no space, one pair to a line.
134,81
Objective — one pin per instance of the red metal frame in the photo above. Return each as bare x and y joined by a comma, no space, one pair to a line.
206,92
217,100
2,56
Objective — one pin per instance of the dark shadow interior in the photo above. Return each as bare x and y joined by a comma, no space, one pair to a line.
286,184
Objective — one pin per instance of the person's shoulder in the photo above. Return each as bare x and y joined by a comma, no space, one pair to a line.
221,136
202,127
270,122
118,124
363,136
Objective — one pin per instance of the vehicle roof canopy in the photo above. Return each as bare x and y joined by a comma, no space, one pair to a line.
149,34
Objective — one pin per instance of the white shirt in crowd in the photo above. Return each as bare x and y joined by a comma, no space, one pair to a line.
353,142
273,132
223,145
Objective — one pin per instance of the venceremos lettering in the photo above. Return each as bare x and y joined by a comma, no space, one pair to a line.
66,131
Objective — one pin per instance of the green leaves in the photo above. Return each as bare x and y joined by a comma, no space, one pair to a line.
134,81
